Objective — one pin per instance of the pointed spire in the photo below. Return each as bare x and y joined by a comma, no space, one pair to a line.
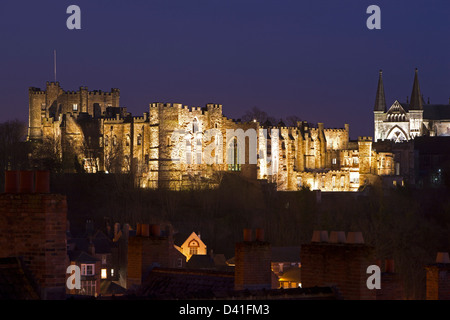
416,98
380,101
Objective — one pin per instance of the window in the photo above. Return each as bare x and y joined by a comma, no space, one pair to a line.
342,181
193,247
233,156
112,272
103,258
180,263
299,182
114,141
88,288
354,177
139,139
334,161
104,274
333,181
195,125
87,269
75,107
127,140
106,141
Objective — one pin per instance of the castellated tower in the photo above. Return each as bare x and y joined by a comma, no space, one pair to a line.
54,102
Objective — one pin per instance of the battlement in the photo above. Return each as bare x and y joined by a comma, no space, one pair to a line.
34,90
365,139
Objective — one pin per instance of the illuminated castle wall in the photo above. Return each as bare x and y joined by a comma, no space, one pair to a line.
104,137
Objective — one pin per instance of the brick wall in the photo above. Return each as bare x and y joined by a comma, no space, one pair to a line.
33,227
339,264
253,263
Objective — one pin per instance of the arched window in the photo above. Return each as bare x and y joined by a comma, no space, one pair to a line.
127,140
139,139
193,247
233,156
195,127
114,141
106,141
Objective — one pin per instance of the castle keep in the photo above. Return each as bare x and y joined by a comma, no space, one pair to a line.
99,135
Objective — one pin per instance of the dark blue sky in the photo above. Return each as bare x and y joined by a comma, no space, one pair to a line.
315,59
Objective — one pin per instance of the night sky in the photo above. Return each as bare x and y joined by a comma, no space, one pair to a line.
314,59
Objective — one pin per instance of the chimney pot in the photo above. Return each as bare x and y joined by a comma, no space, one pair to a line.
145,231
155,230
337,237
11,181
247,234
355,237
42,181
26,181
138,229
320,236
389,265
259,234
442,257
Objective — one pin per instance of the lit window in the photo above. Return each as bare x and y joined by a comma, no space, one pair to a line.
334,161
112,272
75,107
104,274
139,140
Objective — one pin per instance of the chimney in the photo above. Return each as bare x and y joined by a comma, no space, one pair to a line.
320,236
253,262
91,249
145,230
438,278
11,181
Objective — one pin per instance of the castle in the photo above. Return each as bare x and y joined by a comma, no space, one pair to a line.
103,137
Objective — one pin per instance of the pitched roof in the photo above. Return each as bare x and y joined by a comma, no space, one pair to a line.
165,283
436,111
15,283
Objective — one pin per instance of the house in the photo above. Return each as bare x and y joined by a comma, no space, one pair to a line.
193,245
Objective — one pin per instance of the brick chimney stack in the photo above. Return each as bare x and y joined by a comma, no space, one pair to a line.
33,225
253,257
438,278
147,249
338,260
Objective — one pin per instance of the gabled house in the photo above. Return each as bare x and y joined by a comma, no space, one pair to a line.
193,245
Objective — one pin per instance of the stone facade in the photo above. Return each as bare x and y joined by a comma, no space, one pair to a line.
405,121
90,126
